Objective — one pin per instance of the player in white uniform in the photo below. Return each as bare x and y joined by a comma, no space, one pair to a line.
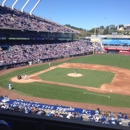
25,77
10,86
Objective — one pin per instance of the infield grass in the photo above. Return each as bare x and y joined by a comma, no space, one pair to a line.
91,78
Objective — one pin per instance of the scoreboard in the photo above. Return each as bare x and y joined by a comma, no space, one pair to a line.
116,41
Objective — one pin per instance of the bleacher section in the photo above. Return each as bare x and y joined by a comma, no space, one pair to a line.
14,19
22,52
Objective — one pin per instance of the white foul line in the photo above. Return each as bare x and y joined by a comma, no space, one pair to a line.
97,94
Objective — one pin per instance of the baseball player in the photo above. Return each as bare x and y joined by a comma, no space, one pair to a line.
49,64
75,71
25,77
10,86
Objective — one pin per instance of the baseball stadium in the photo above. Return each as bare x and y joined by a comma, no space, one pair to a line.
45,71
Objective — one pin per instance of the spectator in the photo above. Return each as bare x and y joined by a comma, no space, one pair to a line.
97,111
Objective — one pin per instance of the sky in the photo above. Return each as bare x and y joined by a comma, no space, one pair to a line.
86,14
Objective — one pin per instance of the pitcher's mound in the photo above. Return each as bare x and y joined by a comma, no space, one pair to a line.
74,75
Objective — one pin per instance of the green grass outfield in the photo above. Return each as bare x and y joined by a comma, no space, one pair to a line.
68,93
105,59
92,78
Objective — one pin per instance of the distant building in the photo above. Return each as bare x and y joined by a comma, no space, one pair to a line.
125,27
120,28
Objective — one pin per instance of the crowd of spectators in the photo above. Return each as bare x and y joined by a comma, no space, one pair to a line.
108,117
98,47
15,19
18,53
98,116
20,106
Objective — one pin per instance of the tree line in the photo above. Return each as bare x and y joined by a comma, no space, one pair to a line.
102,30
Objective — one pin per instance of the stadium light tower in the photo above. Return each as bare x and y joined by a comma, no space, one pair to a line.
14,4
34,7
3,3
24,5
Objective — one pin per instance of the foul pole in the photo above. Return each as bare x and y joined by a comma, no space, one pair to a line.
94,39
3,3
14,4
34,7
24,5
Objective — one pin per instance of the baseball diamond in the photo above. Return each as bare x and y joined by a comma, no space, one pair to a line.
35,86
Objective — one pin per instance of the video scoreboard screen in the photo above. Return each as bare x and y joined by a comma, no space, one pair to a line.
116,41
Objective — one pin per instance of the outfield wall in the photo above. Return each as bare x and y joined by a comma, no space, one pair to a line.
124,52
117,50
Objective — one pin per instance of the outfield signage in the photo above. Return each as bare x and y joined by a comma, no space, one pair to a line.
117,48
51,107
115,42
